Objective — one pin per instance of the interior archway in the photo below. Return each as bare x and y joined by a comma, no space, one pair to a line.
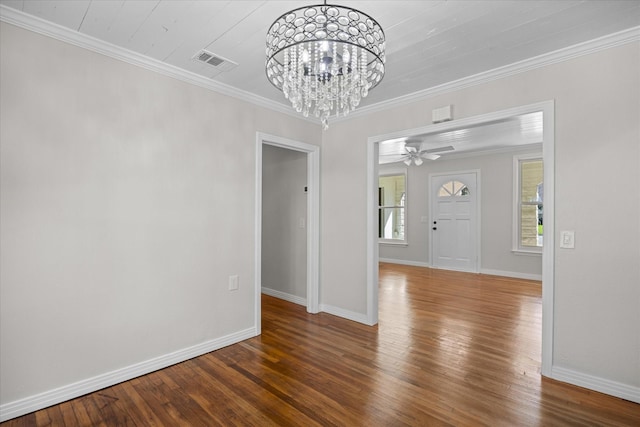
548,144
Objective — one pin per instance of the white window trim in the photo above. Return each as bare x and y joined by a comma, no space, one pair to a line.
394,242
392,172
515,232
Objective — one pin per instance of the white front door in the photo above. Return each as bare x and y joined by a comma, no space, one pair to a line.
454,223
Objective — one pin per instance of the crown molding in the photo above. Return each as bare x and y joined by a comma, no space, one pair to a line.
41,26
67,35
560,55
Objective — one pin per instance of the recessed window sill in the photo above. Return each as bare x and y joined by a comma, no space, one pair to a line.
393,243
526,252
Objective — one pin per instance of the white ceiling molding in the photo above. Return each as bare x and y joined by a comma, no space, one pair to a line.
586,48
35,24
58,32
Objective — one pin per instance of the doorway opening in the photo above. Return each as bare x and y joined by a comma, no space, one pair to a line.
284,219
458,128
308,221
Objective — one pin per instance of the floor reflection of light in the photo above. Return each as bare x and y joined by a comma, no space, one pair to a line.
394,342
527,338
464,347
454,340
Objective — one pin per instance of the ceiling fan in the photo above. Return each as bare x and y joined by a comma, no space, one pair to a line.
415,156
407,154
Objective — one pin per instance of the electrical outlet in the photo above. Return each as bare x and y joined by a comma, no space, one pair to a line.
233,283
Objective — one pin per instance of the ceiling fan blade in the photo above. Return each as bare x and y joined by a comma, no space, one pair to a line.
429,156
410,149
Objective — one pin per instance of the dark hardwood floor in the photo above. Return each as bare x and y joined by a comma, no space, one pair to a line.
450,349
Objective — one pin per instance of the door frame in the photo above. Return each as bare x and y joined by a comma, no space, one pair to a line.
548,254
478,214
313,220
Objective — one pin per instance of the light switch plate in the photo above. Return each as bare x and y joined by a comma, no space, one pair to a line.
233,282
567,239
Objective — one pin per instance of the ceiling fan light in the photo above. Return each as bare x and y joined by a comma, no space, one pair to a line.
417,161
407,161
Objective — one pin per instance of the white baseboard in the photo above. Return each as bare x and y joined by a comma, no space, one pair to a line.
285,296
52,397
515,275
613,388
346,314
502,273
405,262
336,311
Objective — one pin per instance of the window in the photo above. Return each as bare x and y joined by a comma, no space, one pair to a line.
392,203
453,188
529,203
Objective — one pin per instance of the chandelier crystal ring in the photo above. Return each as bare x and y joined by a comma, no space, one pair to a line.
325,58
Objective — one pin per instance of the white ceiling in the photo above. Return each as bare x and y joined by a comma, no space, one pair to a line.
429,43
513,132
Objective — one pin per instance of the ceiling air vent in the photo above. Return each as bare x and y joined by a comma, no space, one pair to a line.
217,61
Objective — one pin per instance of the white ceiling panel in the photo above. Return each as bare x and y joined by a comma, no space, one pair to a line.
429,43
68,13
158,25
99,18
14,4
247,35
221,20
128,20
189,26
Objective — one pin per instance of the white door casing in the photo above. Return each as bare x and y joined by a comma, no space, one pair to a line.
312,221
548,254
454,231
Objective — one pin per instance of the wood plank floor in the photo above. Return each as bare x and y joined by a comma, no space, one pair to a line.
451,349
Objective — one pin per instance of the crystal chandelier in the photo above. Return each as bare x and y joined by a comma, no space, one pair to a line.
325,58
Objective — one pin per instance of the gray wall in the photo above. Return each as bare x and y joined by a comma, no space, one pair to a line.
496,175
597,111
284,217
127,201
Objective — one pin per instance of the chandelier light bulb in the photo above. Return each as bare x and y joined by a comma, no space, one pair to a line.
325,58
